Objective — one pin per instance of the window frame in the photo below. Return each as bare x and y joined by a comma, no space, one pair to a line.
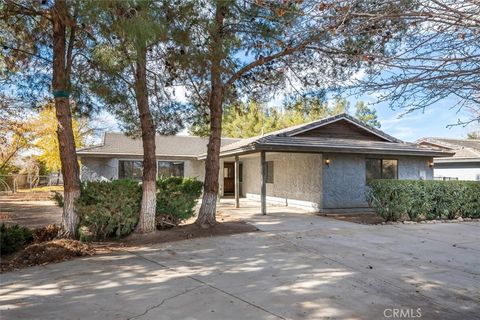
382,168
174,162
269,177
128,160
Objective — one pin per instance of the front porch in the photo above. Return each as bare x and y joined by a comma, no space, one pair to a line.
277,178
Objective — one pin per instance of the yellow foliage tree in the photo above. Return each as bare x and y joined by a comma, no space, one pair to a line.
45,127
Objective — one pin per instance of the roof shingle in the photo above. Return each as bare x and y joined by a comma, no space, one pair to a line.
181,146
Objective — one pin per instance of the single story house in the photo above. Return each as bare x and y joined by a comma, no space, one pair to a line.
465,163
320,166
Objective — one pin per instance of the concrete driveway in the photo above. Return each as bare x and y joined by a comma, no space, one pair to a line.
301,266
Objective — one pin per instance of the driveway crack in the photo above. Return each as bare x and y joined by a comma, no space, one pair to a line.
203,283
163,301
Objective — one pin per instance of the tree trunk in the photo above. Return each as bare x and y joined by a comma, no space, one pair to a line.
60,86
206,215
146,222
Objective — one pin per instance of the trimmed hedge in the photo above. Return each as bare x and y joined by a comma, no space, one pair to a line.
424,199
14,238
110,209
177,198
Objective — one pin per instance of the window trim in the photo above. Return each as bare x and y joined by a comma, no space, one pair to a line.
126,159
381,167
171,160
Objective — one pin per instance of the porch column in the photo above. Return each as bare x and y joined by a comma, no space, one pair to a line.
263,174
237,182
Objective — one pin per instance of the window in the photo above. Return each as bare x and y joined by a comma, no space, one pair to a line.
381,169
240,172
228,171
269,172
170,169
130,169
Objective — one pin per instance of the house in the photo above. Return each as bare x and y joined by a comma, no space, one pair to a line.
465,163
320,166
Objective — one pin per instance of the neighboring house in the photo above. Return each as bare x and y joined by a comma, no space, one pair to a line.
321,166
465,163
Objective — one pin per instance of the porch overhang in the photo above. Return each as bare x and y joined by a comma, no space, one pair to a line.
392,149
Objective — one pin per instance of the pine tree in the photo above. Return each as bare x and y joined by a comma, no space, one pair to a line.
367,115
128,75
41,42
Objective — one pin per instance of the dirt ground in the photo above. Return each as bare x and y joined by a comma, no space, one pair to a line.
31,214
36,214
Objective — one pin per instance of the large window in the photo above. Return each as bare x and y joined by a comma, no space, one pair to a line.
269,171
381,169
170,169
130,169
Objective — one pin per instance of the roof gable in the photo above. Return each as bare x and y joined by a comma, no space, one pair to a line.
341,129
450,143
341,126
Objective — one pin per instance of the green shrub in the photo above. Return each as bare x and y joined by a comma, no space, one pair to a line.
13,238
111,209
58,199
424,199
108,209
176,199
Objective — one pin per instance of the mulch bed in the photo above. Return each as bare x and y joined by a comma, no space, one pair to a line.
45,250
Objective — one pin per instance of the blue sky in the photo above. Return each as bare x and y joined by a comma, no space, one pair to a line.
434,121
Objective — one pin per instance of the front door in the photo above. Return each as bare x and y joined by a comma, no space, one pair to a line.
229,178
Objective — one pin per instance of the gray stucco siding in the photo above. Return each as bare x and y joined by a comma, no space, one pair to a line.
93,169
297,179
99,168
414,168
344,179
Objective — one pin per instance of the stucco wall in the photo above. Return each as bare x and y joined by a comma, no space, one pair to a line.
93,169
414,168
107,168
297,179
344,179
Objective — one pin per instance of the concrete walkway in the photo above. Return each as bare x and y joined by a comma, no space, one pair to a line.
301,266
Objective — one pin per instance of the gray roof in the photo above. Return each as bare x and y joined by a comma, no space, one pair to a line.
285,140
172,146
465,149
117,144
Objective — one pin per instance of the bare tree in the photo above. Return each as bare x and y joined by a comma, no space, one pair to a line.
438,57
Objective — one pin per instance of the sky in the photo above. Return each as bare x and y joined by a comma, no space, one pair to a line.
434,121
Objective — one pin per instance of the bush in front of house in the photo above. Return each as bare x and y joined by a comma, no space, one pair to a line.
176,200
424,199
14,238
108,209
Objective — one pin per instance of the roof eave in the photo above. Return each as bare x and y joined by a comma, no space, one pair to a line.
456,160
362,150
336,149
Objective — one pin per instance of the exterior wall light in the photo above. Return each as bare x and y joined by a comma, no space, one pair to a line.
430,163
327,161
